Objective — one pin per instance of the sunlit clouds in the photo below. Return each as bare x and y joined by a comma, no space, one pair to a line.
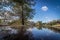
44,8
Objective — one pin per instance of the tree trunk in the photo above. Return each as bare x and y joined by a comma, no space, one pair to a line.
22,16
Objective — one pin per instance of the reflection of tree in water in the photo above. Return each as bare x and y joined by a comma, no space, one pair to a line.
22,35
54,29
39,27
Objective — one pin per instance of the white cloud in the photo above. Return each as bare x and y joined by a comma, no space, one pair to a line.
44,8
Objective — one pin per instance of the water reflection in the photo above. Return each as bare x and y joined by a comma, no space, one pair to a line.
31,34
55,30
14,34
45,34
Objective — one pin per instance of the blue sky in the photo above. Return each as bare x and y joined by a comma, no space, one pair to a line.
46,10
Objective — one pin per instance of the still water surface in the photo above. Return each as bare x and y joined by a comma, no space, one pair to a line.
38,34
45,34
